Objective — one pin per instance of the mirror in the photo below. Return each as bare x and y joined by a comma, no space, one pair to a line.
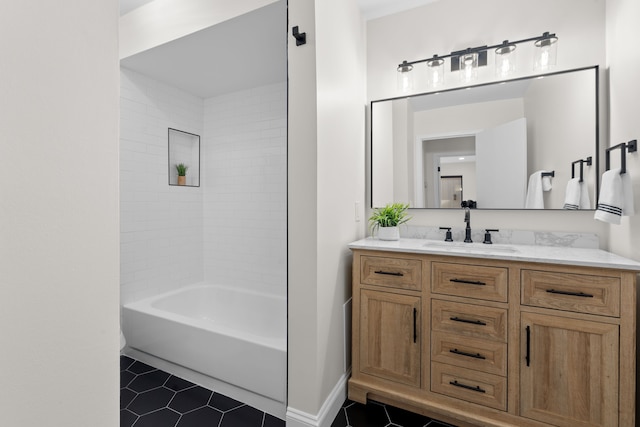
479,146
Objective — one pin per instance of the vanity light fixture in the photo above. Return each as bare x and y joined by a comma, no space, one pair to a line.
546,52
505,59
435,71
466,62
405,78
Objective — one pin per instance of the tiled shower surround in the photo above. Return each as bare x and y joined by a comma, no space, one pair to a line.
230,230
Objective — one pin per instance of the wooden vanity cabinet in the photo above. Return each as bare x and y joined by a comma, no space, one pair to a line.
479,342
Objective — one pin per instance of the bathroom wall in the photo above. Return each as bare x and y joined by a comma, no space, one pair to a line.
325,180
623,62
245,189
172,19
59,210
580,26
161,226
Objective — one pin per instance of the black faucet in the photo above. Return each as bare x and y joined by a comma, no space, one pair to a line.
467,231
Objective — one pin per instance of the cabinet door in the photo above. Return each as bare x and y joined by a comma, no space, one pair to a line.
390,336
569,371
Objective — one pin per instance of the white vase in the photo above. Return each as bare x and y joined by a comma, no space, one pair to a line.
388,233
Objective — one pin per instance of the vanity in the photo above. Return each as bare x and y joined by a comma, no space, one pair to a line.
495,335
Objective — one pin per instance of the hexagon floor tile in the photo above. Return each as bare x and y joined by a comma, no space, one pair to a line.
151,397
374,414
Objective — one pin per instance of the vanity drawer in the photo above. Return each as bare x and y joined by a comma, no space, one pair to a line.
403,273
580,293
472,353
470,320
472,281
472,386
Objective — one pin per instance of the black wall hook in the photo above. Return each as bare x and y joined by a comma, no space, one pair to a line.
301,38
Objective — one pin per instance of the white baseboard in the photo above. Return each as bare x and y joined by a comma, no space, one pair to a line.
328,411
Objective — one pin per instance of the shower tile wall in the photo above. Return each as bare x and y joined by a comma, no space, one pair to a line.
231,229
245,189
161,225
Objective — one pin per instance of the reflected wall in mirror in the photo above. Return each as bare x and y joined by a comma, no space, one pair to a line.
494,138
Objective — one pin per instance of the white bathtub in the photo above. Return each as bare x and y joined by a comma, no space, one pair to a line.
231,335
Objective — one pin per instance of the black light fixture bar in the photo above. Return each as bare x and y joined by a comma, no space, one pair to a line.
480,50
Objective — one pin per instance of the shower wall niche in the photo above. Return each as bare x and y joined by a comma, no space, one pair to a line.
184,158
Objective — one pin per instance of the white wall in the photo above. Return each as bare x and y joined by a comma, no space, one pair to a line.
245,189
623,61
162,21
326,177
161,237
59,214
580,26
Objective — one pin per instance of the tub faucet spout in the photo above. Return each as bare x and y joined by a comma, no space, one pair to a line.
467,231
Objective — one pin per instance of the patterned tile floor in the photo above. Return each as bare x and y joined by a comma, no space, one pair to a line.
150,397
375,414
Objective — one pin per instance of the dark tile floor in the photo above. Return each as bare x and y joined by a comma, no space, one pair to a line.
375,414
150,397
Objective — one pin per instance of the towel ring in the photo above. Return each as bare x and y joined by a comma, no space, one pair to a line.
631,147
588,161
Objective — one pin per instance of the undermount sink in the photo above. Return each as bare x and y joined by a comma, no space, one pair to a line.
469,247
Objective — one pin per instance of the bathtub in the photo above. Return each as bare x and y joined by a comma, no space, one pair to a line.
229,334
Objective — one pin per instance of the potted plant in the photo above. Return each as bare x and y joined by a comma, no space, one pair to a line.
182,173
387,219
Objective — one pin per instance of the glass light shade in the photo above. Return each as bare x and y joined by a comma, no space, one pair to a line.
505,60
546,52
405,77
468,67
435,72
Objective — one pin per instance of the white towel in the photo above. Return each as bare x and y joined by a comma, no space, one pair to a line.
572,194
577,195
585,200
537,184
616,197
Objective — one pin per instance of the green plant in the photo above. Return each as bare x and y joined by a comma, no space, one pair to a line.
391,215
182,169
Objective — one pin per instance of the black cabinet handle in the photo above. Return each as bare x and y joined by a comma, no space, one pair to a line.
464,353
468,387
389,273
473,322
468,282
527,358
415,325
573,294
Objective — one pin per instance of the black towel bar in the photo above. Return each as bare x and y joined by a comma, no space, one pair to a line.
628,147
551,174
588,161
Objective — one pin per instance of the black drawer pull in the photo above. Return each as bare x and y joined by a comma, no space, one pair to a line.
389,273
527,358
573,294
415,325
473,322
468,282
464,353
468,387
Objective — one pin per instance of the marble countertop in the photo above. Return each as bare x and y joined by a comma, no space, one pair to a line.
525,253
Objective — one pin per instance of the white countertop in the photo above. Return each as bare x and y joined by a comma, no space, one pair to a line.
526,253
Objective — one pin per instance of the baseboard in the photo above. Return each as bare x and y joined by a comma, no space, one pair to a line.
328,411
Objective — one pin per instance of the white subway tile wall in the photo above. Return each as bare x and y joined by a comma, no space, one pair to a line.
245,189
232,229
161,225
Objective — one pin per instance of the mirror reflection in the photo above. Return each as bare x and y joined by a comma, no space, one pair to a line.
504,145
